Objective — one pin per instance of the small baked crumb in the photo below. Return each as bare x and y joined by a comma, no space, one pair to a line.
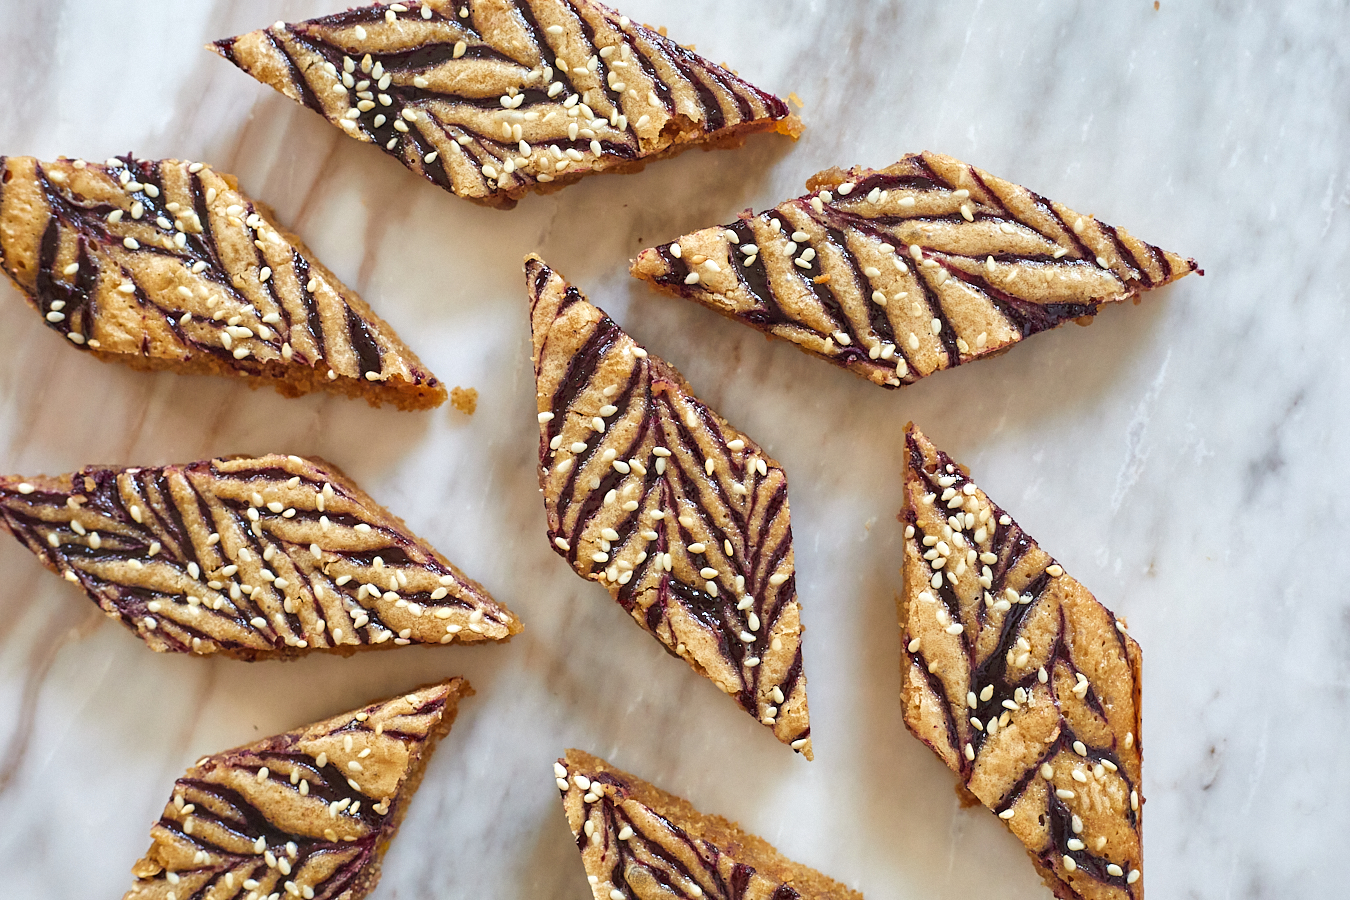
464,399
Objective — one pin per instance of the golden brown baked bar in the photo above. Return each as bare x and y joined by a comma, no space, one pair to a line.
1022,683
900,272
491,99
167,265
254,558
305,814
658,498
639,842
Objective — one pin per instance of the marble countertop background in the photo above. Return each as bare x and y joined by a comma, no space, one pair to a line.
1183,458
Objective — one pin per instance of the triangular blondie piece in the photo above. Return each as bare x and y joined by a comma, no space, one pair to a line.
167,265
308,813
254,558
639,842
491,100
655,496
1022,683
897,273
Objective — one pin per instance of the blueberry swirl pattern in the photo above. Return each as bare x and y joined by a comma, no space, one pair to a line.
491,99
656,497
897,273
305,815
254,558
1025,685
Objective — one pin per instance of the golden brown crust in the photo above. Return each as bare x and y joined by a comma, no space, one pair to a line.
493,99
900,272
681,516
265,557
166,266
633,828
283,815
1021,682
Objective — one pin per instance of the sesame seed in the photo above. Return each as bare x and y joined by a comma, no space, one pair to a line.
970,752
1069,863
1006,814
1064,794
1132,877
1047,771
1080,748
1078,776
1114,870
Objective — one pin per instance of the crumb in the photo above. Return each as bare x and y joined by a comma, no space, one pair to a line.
796,101
822,279
1156,4
791,126
464,399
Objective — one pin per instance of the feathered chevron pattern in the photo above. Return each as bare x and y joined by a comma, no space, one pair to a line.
167,265
306,814
250,557
1022,683
639,842
490,99
897,273
655,496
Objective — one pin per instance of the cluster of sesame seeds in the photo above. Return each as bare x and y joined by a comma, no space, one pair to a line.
548,161
227,586
241,324
1079,841
954,549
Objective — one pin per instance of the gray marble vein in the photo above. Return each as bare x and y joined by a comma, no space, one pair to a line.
1183,458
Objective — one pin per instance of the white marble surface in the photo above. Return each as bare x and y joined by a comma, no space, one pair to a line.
1182,457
